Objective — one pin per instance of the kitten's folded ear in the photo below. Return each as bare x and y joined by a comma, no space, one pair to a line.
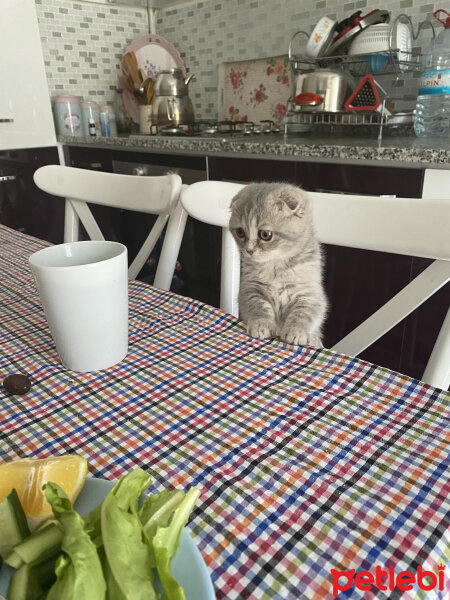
236,197
295,199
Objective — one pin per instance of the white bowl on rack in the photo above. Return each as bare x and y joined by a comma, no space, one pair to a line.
375,39
320,38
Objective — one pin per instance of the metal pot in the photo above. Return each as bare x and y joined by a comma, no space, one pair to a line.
323,90
172,83
173,110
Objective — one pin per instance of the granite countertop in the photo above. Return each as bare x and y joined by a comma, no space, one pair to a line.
401,151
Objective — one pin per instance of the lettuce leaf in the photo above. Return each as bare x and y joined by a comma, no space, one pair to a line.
78,570
166,542
156,511
117,548
127,553
114,591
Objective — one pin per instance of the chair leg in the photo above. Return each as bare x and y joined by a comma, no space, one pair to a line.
147,247
71,223
437,372
230,275
170,249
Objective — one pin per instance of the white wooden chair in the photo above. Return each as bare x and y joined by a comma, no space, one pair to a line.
156,195
408,226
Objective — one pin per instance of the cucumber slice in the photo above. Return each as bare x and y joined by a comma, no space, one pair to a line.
44,569
37,546
24,585
32,581
13,523
14,560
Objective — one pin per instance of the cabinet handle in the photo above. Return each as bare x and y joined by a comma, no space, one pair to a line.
140,171
7,178
6,120
82,165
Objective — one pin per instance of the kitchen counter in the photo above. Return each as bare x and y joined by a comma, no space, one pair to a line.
401,151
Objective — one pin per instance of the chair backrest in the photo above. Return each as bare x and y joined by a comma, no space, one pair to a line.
157,195
407,226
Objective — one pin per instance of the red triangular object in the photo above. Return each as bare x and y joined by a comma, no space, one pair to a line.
365,96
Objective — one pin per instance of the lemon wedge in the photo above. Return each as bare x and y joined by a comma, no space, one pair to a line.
28,475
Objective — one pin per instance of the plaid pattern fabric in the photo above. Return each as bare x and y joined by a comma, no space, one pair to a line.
307,460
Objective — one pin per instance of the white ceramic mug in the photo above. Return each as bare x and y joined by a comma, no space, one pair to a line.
83,287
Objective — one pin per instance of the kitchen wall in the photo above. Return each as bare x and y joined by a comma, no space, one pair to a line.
84,41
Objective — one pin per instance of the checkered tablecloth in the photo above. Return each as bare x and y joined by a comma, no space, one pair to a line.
307,460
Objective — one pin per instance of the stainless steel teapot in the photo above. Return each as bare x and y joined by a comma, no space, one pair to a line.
172,105
172,110
172,83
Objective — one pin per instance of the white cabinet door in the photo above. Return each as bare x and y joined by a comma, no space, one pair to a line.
26,119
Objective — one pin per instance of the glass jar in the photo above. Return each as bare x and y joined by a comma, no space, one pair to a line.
67,115
123,119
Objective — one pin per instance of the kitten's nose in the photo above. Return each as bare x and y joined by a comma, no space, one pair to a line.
250,251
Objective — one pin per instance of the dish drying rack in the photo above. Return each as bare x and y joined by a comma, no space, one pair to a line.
393,61
359,64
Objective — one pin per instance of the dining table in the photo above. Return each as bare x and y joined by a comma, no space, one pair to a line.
320,475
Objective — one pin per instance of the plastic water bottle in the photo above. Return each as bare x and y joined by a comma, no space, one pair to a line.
432,114
104,121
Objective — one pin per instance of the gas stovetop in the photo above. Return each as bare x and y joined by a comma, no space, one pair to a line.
222,129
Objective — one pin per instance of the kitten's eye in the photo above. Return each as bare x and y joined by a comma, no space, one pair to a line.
240,233
265,235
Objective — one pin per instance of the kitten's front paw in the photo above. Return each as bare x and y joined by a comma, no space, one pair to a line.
260,329
294,336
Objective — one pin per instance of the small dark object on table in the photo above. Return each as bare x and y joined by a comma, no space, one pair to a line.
17,384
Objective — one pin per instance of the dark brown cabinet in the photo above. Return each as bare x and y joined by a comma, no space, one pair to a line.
23,206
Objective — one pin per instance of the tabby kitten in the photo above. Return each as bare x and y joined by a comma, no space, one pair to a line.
281,292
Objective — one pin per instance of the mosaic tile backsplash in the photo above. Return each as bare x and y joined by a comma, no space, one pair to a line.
84,41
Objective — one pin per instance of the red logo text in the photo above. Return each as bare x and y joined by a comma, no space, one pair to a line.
387,579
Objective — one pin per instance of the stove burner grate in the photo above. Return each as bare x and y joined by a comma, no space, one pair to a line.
218,128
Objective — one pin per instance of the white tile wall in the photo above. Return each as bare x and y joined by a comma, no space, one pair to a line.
84,41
